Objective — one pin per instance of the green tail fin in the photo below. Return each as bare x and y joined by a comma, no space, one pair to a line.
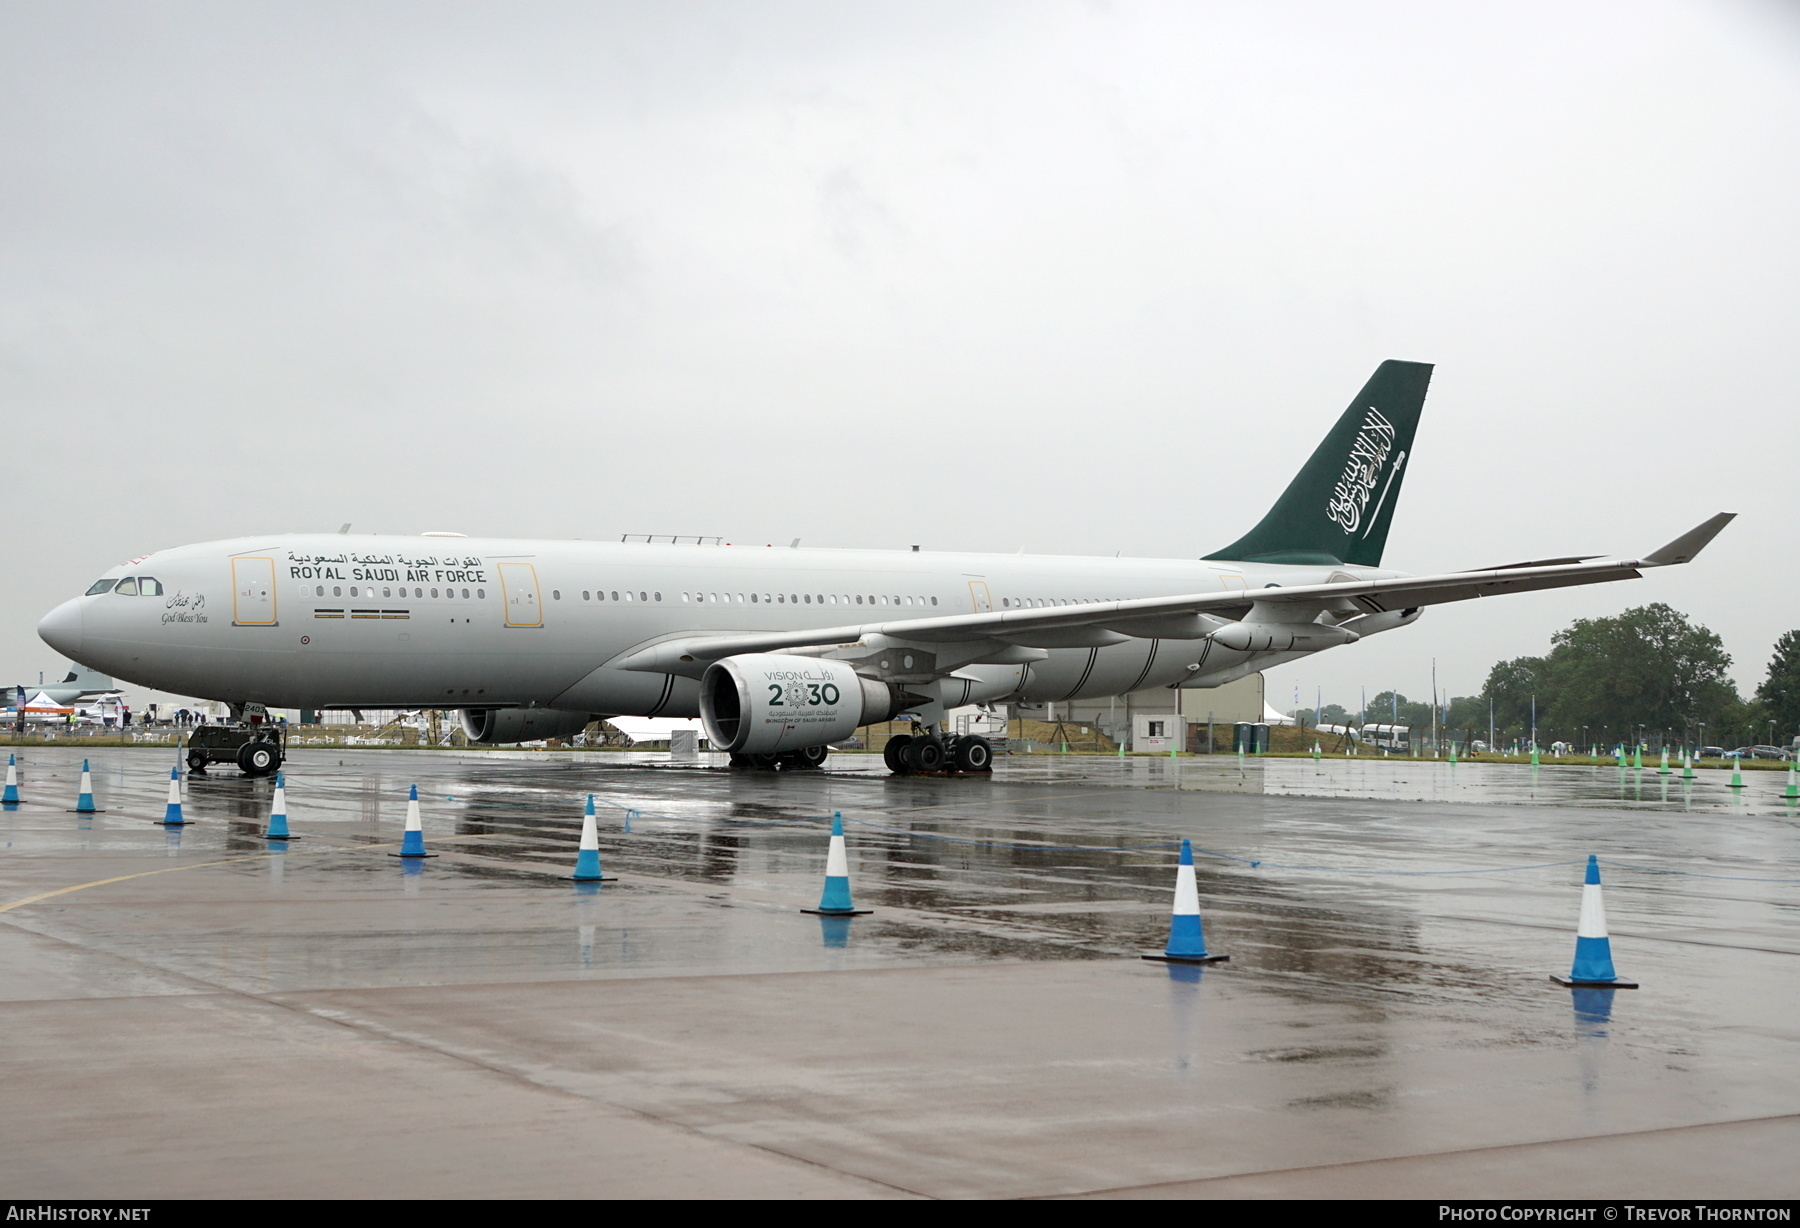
1337,509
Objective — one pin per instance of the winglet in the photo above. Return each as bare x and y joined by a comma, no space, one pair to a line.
1684,548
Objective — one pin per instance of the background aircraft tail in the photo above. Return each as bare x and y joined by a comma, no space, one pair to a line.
1337,509
89,680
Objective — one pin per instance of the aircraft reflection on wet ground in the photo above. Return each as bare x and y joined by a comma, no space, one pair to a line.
1391,926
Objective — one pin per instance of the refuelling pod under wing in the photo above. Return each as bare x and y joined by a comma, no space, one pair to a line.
766,703
1281,637
495,726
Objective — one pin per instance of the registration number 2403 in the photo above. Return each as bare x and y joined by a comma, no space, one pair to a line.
802,694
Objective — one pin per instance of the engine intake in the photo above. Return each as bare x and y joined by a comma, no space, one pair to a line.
765,703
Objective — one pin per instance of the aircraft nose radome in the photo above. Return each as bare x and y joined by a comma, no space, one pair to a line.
61,628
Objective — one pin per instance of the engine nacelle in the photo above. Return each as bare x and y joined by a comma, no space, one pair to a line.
765,703
492,726
1281,637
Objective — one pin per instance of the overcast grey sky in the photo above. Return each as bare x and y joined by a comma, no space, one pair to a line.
1073,277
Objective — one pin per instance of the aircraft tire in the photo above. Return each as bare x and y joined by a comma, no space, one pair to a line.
741,761
767,763
973,754
926,754
812,758
258,758
894,754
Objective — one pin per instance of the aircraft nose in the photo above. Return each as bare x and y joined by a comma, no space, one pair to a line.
61,628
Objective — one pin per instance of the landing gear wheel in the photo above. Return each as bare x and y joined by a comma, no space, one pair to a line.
258,758
812,758
973,754
894,755
927,754
765,762
741,761
196,761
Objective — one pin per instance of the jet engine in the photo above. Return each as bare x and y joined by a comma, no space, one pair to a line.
491,726
766,703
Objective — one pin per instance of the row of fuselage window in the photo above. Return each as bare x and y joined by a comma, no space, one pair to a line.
146,584
755,598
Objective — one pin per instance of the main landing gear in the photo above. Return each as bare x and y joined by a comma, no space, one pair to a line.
806,759
938,754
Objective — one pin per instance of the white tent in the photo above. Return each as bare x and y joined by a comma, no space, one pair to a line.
653,728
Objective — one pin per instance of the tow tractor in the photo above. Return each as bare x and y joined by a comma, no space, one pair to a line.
257,750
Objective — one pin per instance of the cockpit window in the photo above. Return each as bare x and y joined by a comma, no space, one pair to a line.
149,586
127,587
102,586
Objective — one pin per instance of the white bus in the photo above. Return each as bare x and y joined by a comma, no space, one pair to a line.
1388,737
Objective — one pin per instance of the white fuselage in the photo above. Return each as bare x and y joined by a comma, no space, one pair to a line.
331,621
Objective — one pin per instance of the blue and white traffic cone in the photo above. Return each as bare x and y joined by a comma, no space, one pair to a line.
84,801
835,900
11,796
278,828
1187,943
172,812
412,844
587,854
1593,949
628,815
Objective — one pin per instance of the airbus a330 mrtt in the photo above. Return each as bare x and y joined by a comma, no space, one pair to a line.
782,652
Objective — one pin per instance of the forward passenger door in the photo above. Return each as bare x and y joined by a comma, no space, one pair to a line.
253,592
519,589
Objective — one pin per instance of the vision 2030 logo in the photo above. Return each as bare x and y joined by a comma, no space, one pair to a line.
1369,454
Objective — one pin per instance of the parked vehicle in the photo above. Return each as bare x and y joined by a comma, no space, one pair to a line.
257,750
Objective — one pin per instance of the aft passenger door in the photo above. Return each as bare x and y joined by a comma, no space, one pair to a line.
253,592
519,588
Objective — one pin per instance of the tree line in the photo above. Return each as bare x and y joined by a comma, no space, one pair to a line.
1649,673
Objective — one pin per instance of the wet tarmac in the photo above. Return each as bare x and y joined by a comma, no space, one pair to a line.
194,1011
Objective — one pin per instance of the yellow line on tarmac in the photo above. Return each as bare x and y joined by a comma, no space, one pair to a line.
101,882
201,865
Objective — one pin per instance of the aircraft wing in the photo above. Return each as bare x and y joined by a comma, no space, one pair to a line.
1187,616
